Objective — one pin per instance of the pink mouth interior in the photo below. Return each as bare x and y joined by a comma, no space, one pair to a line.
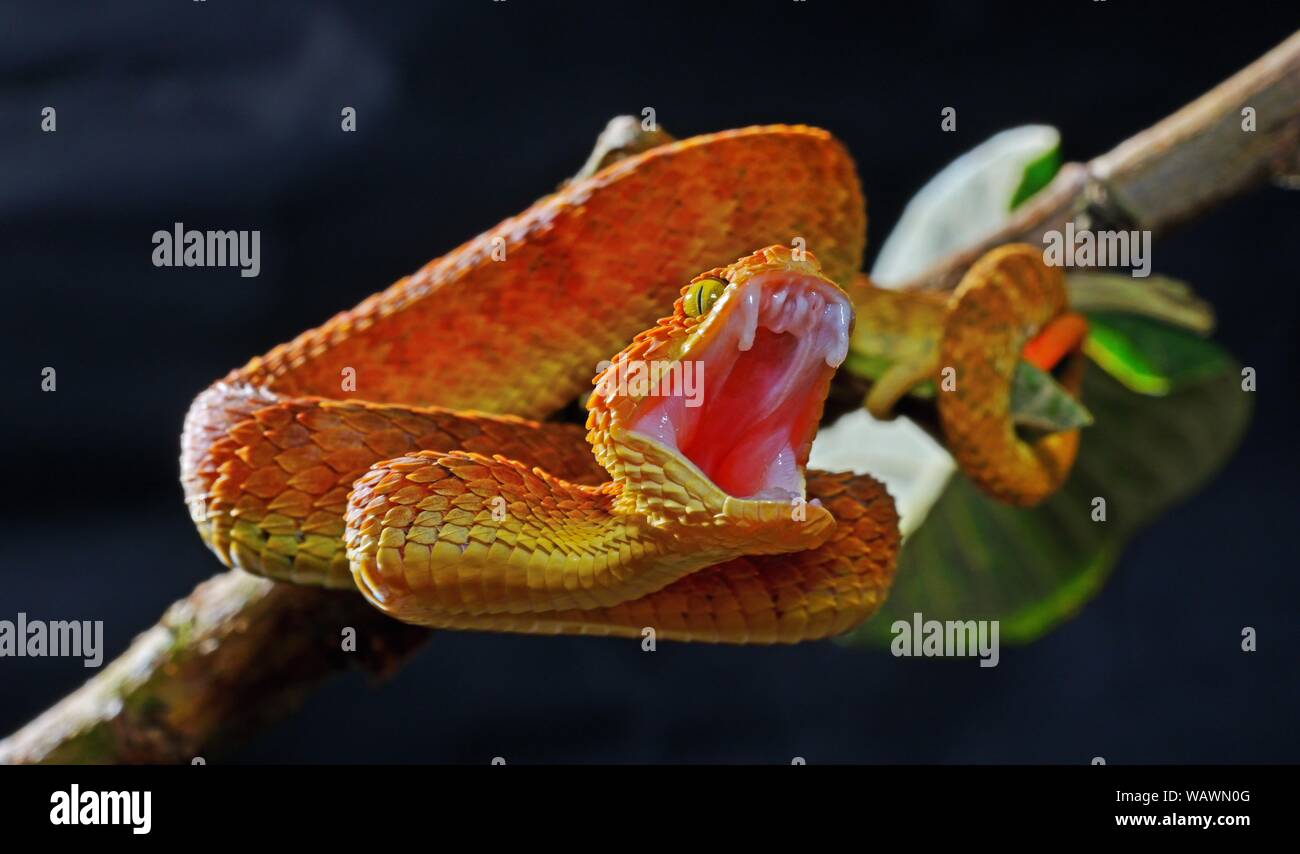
765,375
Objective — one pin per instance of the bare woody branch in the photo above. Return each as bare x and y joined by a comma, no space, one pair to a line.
1171,172
238,652
242,651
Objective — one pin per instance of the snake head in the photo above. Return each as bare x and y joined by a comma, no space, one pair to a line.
705,421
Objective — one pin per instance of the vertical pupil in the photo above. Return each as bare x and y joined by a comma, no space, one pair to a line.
699,300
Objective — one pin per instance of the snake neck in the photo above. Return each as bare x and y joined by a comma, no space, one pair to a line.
896,326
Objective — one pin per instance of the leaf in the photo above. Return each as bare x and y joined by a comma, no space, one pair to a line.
1037,175
968,200
1040,402
912,465
1037,399
964,203
1032,568
1148,356
1158,297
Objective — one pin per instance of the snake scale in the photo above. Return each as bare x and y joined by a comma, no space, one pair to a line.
400,447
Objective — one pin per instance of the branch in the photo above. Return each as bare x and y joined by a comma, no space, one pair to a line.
238,652
241,651
1170,173
223,662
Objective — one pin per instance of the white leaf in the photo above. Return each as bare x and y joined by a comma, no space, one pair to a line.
965,203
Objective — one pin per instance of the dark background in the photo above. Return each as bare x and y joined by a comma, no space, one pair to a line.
226,115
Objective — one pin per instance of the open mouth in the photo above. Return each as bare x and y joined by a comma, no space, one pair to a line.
762,363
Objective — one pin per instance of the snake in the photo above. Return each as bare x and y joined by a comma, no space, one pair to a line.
684,535
402,448
367,452
1009,306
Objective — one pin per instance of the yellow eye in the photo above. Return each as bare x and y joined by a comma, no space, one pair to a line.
702,295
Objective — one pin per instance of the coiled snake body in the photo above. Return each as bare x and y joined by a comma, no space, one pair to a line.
388,450
516,321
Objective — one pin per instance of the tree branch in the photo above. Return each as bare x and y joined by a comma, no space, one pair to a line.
1170,173
238,652
221,663
241,651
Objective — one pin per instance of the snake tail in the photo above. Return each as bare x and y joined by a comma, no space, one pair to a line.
1009,306
1002,302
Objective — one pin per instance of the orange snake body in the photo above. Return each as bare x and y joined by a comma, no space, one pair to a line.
388,449
448,363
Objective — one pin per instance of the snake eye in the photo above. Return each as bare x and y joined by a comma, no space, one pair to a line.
702,295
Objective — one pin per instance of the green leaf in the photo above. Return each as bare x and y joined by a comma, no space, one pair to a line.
1037,175
1159,297
1040,402
1148,356
1037,400
974,558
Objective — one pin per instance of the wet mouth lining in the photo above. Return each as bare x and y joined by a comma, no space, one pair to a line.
762,371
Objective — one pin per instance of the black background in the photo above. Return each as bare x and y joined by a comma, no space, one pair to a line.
226,115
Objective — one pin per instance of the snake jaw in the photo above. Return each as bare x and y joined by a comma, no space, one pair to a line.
732,456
